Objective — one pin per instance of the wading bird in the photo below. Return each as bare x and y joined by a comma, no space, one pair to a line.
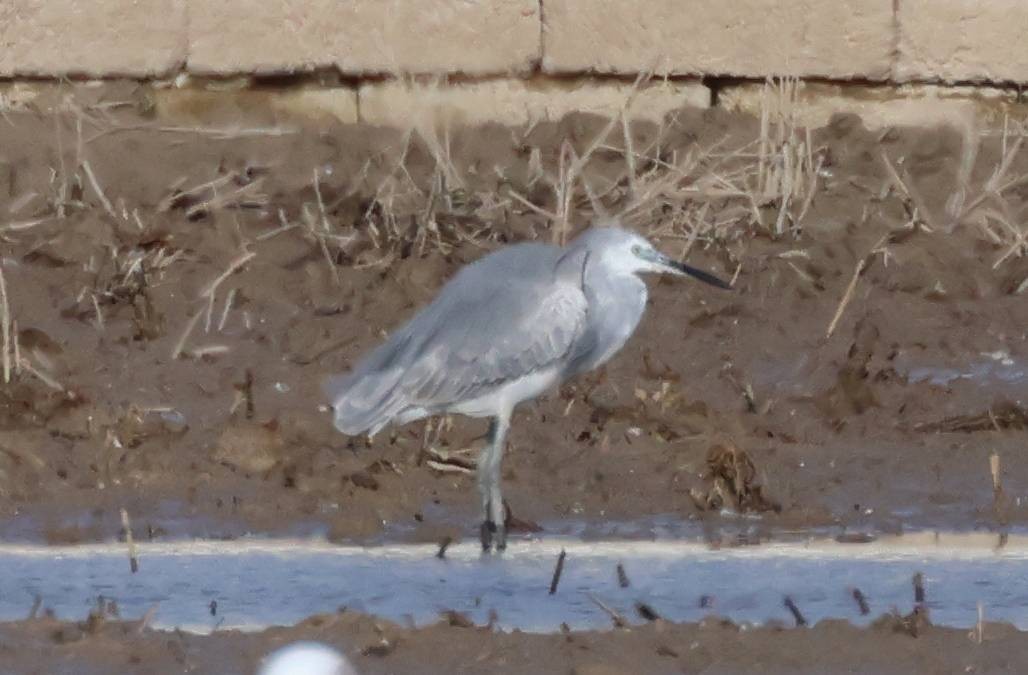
505,329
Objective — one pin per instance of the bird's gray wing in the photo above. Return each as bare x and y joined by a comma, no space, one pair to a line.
515,328
510,314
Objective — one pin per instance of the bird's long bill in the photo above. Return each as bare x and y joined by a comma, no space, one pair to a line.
706,277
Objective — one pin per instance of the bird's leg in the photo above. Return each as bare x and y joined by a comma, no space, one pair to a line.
493,527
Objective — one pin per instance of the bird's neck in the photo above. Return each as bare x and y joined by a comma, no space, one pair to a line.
602,284
616,304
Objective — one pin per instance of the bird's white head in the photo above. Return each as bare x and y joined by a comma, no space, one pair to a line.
622,251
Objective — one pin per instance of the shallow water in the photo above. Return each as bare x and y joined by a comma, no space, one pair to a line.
997,371
260,583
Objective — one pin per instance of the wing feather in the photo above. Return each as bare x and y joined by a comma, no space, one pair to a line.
507,316
531,328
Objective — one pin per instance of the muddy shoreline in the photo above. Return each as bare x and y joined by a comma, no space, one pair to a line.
178,302
177,291
895,644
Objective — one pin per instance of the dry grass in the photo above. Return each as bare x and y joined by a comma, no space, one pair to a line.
403,217
405,213
716,193
774,174
101,195
991,207
180,345
786,171
5,328
699,197
705,195
130,542
847,295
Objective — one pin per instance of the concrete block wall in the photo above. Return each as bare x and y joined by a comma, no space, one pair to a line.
98,38
743,38
881,40
519,60
962,41
363,37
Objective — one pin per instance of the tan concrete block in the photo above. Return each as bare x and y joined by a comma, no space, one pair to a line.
95,38
962,40
750,38
477,37
517,101
248,107
971,110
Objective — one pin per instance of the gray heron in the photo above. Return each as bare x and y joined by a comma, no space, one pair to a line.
503,330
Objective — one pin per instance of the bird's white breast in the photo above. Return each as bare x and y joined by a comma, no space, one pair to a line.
508,395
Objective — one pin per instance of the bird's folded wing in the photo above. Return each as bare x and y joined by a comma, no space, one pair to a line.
505,331
511,314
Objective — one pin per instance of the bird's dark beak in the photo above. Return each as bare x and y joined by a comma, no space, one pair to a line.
681,268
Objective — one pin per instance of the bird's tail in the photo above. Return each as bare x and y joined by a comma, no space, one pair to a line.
364,402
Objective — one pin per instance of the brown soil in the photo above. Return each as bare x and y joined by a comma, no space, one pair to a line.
220,432
453,646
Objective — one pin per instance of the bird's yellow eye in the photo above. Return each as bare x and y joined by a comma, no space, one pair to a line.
637,249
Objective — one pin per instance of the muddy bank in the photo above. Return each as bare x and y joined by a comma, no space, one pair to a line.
895,644
179,292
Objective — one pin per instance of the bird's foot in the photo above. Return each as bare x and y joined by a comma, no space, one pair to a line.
493,535
485,533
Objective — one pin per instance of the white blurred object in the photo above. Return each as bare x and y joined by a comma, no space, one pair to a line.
306,658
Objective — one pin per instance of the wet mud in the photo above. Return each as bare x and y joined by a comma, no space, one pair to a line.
177,294
455,644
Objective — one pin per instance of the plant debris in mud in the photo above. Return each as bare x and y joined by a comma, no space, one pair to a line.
733,483
913,624
1006,415
149,267
852,393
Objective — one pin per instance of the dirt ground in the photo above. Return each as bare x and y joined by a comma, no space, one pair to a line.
451,646
177,293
